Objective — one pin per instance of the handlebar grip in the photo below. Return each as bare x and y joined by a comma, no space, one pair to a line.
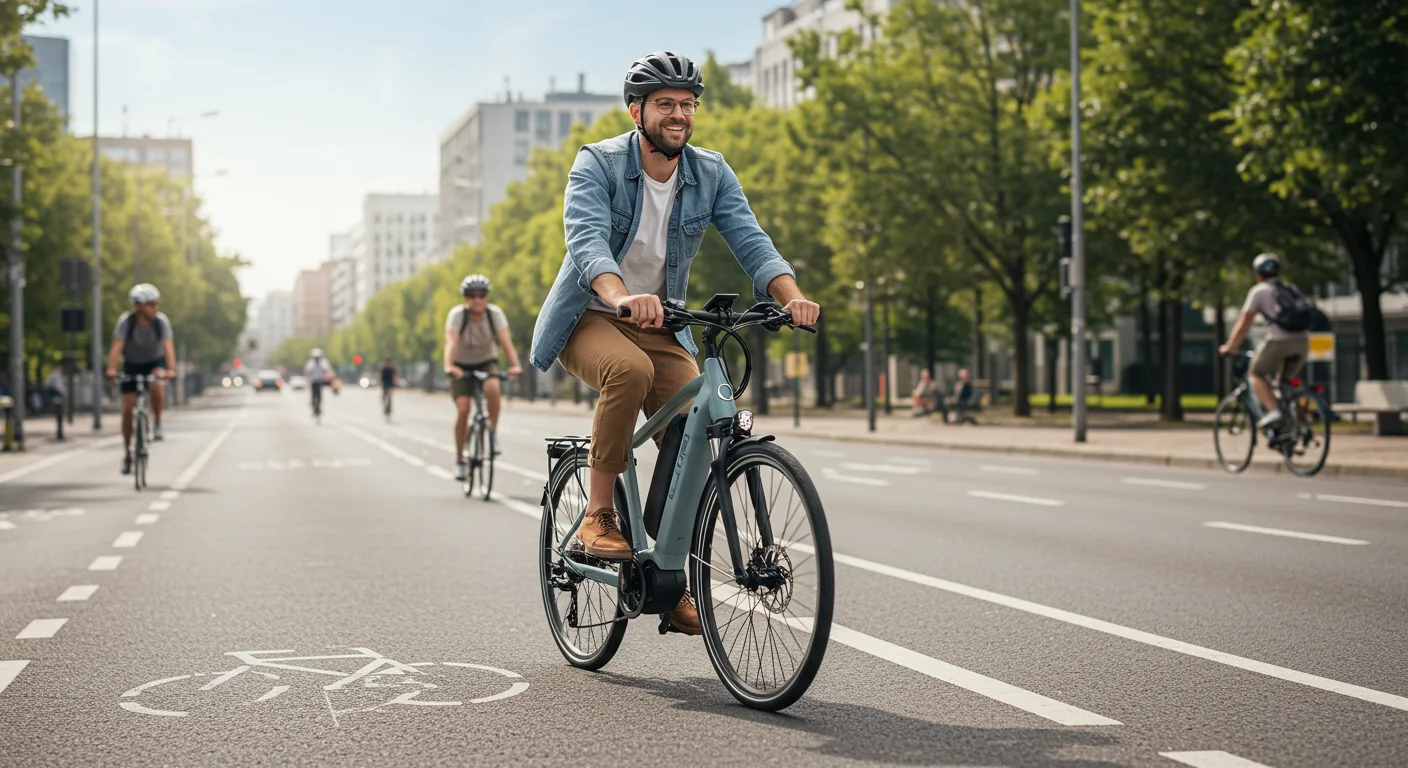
623,312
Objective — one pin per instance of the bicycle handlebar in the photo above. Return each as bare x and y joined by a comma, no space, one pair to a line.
677,318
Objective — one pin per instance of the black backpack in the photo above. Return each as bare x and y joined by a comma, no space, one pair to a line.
488,315
132,327
1294,312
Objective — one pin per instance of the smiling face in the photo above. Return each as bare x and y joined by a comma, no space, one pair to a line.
671,131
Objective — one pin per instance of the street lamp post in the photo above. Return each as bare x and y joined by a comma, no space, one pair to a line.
96,322
1078,354
16,269
868,346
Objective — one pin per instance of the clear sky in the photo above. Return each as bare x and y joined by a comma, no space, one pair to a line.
322,101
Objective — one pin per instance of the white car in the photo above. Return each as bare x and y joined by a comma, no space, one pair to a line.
297,383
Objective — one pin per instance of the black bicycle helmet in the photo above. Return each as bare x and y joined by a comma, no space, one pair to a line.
1267,265
662,69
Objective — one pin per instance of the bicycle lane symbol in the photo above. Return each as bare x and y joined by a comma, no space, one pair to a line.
404,683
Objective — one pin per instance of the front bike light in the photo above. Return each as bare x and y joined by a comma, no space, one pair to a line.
743,423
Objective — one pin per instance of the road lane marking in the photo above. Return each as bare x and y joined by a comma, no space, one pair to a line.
1154,482
1019,499
1128,633
1212,759
147,518
105,563
170,495
6,525
183,481
888,469
15,474
831,474
440,472
73,594
828,453
159,506
522,508
922,463
1285,533
1011,695
1359,500
1009,470
40,629
127,540
527,473
9,670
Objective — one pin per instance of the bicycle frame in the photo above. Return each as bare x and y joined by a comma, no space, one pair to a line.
712,397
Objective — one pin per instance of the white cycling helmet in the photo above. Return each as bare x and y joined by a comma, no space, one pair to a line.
474,282
317,352
144,293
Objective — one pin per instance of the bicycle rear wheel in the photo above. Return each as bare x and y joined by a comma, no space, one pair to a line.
1234,434
470,458
585,616
766,642
1307,444
486,462
139,452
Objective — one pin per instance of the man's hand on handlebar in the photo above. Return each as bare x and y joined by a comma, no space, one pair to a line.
455,371
643,309
803,312
514,371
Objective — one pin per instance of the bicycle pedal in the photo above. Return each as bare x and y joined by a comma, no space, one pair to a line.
666,627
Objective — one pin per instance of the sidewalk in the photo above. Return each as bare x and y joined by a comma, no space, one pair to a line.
1353,452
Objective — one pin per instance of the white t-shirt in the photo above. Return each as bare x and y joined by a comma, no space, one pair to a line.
1261,299
643,267
318,370
479,343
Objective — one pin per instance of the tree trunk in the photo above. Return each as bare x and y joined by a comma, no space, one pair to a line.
1146,347
822,365
1219,364
1021,374
885,364
931,333
760,370
1170,310
1053,351
978,341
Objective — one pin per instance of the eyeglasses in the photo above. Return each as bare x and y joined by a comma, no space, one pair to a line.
476,295
667,106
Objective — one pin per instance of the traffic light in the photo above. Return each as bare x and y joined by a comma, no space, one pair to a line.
356,359
238,364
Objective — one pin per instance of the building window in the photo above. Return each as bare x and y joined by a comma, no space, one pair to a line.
520,121
543,125
178,155
585,117
156,155
564,123
520,152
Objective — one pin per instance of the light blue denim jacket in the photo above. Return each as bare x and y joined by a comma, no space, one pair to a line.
600,213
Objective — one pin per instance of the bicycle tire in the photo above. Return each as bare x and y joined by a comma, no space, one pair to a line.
139,453
563,482
769,605
1322,410
469,458
1233,417
486,464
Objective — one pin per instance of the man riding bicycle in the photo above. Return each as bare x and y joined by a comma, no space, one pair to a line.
388,377
142,341
635,211
1285,349
474,331
319,373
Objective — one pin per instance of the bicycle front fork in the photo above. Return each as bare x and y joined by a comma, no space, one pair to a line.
721,440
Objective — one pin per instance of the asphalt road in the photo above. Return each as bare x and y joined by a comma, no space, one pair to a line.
997,611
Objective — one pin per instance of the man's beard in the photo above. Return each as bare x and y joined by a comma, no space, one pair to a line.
666,140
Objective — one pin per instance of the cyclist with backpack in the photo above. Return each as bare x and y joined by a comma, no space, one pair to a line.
1289,315
142,342
474,331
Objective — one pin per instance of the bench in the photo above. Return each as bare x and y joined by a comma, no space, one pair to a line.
1376,397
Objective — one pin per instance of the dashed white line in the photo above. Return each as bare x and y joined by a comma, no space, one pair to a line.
1019,499
170,495
6,525
105,563
1128,633
527,510
528,473
1212,759
159,506
40,629
888,469
73,594
147,518
9,670
1359,500
1005,470
1285,533
440,472
922,463
1154,482
56,458
831,474
127,540
829,453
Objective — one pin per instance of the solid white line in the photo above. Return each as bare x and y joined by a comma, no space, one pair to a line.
78,593
1360,500
1011,695
127,540
922,463
159,506
828,453
105,563
528,473
147,518
1154,482
55,459
440,472
831,474
170,495
1285,533
1009,470
1212,759
527,510
1128,633
1019,499
40,629
9,670
6,525
888,469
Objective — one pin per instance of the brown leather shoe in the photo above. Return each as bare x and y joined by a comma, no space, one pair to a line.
685,617
601,536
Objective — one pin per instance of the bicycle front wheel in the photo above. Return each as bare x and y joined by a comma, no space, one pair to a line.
765,641
486,461
1307,443
472,453
1234,434
139,453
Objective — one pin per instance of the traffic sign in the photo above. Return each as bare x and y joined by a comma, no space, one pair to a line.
73,320
1322,347
796,365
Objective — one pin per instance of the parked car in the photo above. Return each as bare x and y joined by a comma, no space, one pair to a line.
268,381
297,383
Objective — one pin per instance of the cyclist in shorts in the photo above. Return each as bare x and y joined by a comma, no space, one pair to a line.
1284,350
142,341
474,331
